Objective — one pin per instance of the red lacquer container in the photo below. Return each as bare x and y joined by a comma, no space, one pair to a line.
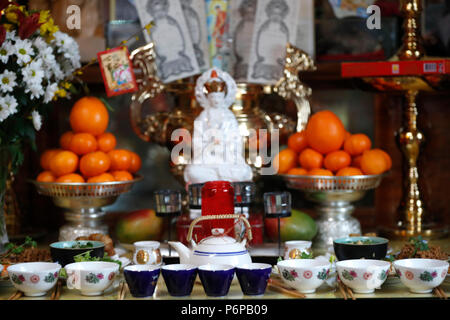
218,199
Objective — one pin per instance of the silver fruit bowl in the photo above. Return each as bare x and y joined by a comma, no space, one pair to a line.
333,197
83,203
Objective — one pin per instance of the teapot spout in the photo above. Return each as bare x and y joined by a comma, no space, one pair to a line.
183,251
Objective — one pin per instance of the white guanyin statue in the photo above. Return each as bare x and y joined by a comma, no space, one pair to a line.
218,149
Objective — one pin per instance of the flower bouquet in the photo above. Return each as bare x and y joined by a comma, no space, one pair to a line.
37,66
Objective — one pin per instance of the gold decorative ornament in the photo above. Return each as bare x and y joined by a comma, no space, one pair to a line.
142,257
412,48
291,88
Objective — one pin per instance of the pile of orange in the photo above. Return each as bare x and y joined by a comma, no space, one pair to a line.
326,148
88,153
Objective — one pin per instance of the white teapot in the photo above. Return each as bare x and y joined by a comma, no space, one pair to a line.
216,249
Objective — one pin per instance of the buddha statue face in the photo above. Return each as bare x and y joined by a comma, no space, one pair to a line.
216,90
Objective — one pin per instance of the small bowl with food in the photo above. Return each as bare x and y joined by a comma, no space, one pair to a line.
64,252
421,275
363,275
350,248
34,279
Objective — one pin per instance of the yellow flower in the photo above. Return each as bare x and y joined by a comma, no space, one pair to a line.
44,16
11,15
9,27
61,93
48,29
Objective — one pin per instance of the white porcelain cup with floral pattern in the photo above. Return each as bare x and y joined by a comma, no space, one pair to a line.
92,278
421,275
304,275
34,279
363,275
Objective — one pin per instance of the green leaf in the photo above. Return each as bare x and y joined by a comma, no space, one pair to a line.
107,105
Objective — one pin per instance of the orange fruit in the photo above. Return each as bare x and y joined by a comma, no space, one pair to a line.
356,161
320,172
83,143
71,178
120,159
310,159
356,144
387,157
136,162
347,135
46,157
122,175
45,176
89,115
64,162
337,160
285,160
64,140
94,164
104,177
297,141
374,162
349,171
298,171
106,142
325,132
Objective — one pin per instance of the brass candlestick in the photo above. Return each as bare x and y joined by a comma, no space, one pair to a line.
412,48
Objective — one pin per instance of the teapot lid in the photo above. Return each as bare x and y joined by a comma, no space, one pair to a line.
218,237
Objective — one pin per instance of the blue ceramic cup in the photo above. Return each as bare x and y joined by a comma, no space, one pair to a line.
253,278
141,279
179,278
216,279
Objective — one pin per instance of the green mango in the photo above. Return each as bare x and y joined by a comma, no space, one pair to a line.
299,226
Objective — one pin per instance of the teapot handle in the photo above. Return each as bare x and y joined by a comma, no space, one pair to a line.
221,216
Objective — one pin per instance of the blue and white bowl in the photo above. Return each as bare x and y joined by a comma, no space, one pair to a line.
216,279
179,278
253,278
142,279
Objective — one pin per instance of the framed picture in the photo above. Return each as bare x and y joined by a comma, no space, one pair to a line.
117,71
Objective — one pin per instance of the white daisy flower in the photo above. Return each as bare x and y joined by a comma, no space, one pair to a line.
33,73
40,44
48,60
57,72
6,50
8,106
50,92
7,81
23,51
37,120
11,35
35,91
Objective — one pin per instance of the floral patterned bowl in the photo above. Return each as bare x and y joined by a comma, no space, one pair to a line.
34,279
421,275
304,275
91,277
363,275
